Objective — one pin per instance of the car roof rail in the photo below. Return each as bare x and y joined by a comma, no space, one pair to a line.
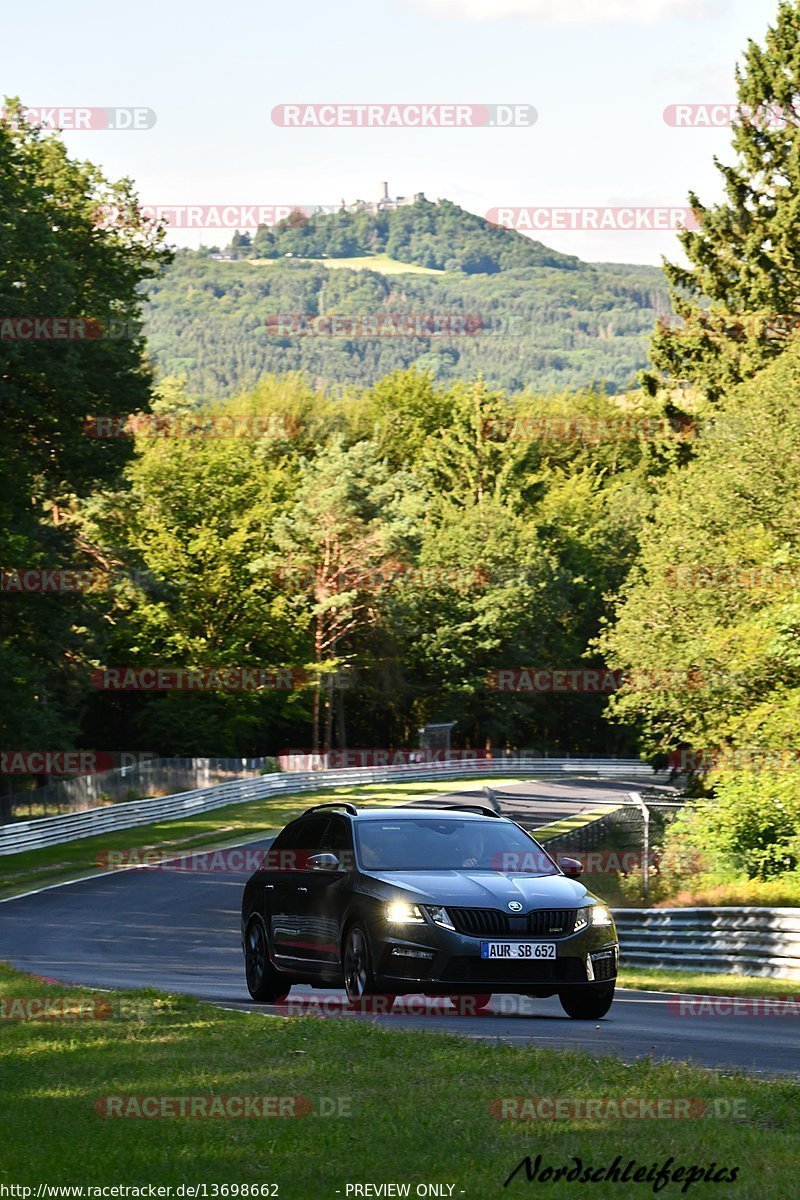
345,804
480,809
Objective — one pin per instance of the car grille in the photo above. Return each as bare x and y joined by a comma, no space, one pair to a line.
475,922
554,921
467,969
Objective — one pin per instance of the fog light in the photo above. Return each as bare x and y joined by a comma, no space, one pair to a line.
400,952
603,964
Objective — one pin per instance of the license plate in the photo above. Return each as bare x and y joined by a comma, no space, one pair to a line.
531,950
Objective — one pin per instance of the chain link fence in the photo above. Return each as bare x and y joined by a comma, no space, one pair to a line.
142,780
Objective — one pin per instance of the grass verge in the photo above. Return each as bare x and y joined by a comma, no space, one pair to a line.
781,892
227,826
405,1107
701,984
574,823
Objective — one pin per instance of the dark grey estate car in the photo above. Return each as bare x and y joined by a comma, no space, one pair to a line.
455,901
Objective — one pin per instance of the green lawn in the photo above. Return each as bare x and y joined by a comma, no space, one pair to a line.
406,1107
222,827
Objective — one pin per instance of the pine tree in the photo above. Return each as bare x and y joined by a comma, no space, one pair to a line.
740,299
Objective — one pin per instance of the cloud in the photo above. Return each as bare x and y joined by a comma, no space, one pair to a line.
598,12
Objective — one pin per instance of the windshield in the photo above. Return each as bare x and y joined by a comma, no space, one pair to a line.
450,844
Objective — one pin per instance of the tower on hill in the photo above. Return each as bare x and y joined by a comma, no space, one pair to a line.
384,204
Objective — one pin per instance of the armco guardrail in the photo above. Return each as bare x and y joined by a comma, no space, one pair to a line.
739,941
49,831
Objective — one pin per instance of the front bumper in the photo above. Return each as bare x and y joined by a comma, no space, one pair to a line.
433,959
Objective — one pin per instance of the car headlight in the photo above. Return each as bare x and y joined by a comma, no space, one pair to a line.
601,915
400,912
581,919
439,916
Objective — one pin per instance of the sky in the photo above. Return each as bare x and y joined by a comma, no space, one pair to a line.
599,73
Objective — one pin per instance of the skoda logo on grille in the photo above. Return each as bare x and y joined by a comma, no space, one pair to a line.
514,906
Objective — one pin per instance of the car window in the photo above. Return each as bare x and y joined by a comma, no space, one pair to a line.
450,844
295,844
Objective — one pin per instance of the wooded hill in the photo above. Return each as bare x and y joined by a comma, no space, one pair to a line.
535,318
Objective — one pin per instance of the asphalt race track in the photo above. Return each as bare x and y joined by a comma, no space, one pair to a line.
178,930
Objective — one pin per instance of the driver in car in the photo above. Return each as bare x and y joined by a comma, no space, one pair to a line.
474,847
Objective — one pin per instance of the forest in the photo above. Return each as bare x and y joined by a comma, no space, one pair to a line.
549,327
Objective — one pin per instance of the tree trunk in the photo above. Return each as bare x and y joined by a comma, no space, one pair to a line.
340,721
315,715
329,714
6,800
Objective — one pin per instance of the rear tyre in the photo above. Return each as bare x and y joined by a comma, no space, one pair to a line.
470,1006
263,982
587,1004
359,976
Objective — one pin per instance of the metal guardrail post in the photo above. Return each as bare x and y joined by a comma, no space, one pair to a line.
636,797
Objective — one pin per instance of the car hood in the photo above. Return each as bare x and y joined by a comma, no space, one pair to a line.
482,889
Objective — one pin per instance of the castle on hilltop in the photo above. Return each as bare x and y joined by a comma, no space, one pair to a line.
385,204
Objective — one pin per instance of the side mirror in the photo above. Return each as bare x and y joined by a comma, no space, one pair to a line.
324,862
572,867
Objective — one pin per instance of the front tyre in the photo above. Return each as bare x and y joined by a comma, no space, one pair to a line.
587,1004
359,977
263,982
